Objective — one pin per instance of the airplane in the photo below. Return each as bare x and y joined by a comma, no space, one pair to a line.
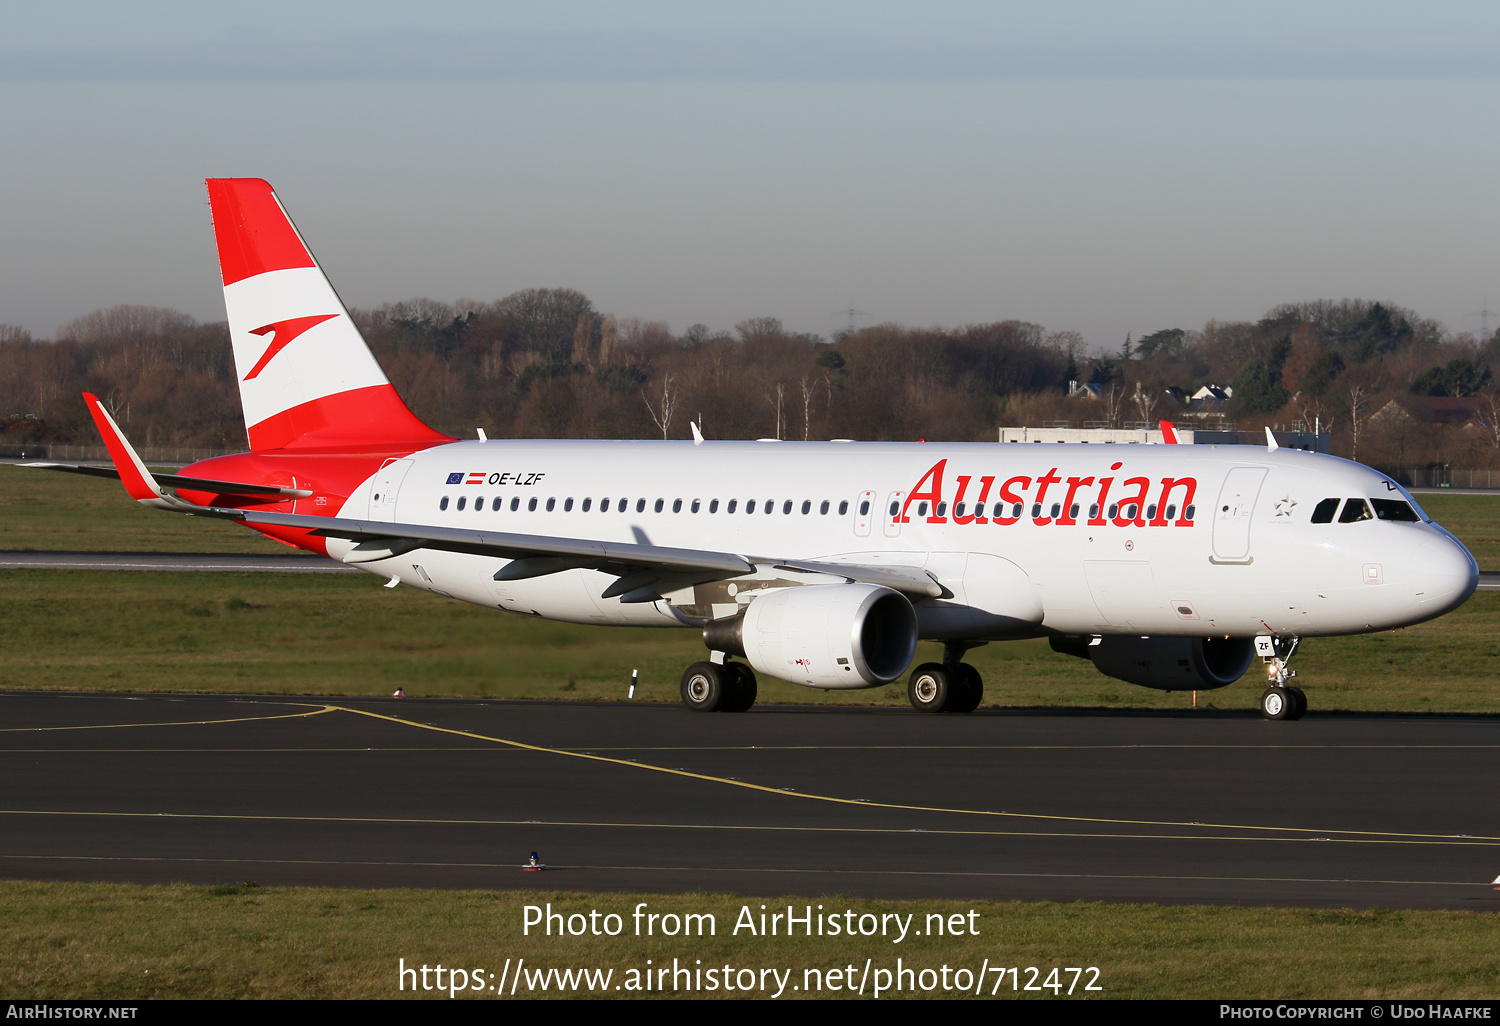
821,563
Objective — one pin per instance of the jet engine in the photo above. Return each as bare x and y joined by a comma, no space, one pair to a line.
823,635
1167,664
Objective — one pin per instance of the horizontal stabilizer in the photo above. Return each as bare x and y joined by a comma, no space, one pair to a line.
196,484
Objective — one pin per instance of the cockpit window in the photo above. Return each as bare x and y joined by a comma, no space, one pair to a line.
1355,510
1323,513
1395,509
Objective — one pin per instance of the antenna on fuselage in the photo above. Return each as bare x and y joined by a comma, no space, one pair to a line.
1271,445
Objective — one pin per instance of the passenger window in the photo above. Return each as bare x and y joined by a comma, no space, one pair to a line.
676,505
604,505
551,505
1151,512
1396,510
1171,512
958,509
713,506
479,502
979,509
531,506
1073,511
1114,509
568,504
823,509
640,505
807,506
624,504
1190,512
1017,511
461,501
770,506
750,506
444,503
895,508
587,505
1056,509
942,509
694,507
1094,511
1036,510
1354,511
659,504
515,503
732,503
921,509
495,504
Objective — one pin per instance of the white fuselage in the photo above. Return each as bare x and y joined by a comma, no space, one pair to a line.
1084,541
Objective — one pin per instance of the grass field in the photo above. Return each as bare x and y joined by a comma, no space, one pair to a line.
124,941
346,635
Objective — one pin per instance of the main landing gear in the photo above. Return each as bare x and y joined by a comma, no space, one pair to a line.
718,687
1282,700
949,686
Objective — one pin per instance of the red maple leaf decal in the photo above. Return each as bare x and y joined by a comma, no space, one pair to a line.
282,332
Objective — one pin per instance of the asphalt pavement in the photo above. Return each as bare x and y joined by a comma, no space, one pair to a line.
1334,810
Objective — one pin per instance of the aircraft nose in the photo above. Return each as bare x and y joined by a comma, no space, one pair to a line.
1445,574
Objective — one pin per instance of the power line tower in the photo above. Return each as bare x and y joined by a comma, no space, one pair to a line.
1484,320
851,313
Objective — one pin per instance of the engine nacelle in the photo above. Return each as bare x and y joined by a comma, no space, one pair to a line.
824,635
1167,664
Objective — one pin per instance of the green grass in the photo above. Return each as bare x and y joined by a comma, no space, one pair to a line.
121,941
325,634
48,511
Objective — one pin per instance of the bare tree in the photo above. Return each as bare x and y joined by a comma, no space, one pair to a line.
1358,398
1145,400
668,406
1113,400
807,394
776,398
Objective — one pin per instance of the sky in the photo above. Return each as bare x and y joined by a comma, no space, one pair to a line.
1096,167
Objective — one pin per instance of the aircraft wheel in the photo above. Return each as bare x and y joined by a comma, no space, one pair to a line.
1299,703
968,690
742,691
704,687
1277,703
930,688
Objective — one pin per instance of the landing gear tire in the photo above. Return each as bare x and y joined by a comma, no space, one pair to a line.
742,689
930,688
1278,704
705,687
968,690
1299,703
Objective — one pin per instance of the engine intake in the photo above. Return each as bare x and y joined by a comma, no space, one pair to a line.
825,636
1167,664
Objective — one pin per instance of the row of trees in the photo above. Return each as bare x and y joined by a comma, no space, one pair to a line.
545,362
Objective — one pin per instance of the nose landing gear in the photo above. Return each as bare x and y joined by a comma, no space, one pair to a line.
1282,700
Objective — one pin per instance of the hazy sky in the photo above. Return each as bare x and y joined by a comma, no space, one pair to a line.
1101,167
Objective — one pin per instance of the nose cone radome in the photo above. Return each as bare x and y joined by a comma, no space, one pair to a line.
1444,574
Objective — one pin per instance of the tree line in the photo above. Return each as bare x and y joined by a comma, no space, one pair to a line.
545,363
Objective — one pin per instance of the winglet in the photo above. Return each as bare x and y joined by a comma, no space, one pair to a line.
1168,432
137,480
1271,445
